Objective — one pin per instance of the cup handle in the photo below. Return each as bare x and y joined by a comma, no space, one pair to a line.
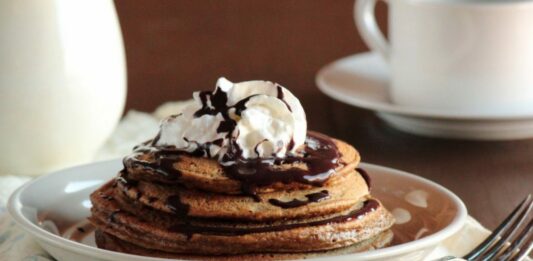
365,21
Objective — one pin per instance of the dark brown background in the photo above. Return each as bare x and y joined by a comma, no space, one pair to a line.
176,47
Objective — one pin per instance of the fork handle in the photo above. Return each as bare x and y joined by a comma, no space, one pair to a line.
449,258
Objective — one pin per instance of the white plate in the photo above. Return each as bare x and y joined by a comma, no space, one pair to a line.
362,80
51,208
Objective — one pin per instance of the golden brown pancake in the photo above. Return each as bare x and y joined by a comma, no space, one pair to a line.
338,196
149,229
175,204
110,242
207,174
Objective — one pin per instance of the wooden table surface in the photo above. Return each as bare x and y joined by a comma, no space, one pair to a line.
176,47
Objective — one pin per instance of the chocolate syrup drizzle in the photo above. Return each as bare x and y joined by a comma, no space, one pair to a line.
319,163
316,164
281,96
106,196
214,103
81,232
311,198
112,218
152,200
176,206
173,202
162,162
189,229
123,178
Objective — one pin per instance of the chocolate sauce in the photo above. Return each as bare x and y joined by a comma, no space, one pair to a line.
202,149
106,196
127,184
217,102
112,216
123,178
163,162
256,148
320,163
291,145
214,103
153,142
318,160
189,229
366,177
226,126
318,196
280,92
176,206
281,96
81,232
311,198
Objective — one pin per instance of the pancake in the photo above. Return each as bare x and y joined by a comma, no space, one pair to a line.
330,198
113,243
208,174
170,203
178,234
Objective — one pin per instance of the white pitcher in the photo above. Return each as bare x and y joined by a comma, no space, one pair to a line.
62,82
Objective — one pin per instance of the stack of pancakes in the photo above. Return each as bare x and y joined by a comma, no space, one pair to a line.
187,206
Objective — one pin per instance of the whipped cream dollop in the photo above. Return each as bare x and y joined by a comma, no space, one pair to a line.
253,119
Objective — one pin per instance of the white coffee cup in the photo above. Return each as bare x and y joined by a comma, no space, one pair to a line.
471,57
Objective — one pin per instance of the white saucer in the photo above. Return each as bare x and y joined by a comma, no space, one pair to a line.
362,80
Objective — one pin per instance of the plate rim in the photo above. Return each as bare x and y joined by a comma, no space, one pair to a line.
14,207
391,108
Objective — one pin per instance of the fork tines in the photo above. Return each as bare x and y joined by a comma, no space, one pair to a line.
511,240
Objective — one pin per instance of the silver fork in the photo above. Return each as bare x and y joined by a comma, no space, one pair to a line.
508,241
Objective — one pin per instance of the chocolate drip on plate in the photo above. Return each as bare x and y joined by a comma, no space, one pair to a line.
81,232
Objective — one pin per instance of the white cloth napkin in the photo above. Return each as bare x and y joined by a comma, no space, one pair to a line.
137,127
